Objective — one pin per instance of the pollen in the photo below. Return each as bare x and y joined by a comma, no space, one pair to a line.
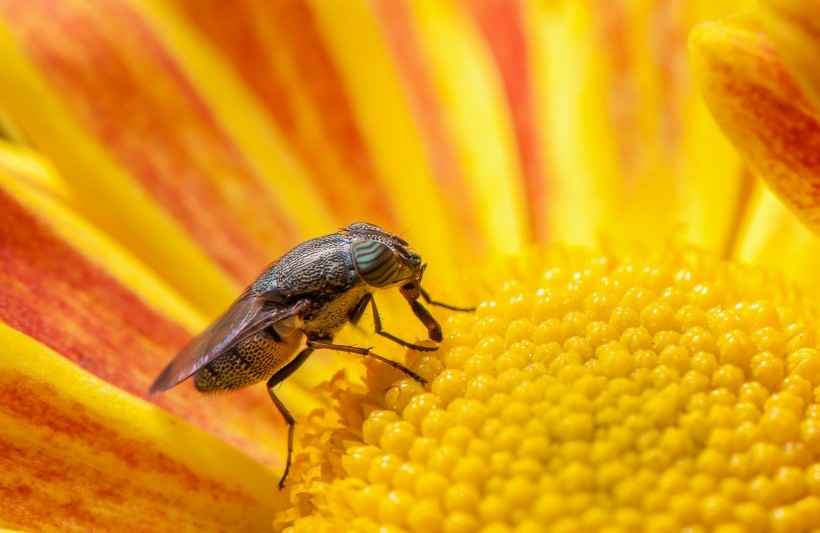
656,392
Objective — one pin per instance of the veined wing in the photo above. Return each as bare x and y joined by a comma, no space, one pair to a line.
247,316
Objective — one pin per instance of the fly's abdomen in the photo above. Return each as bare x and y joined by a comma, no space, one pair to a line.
251,361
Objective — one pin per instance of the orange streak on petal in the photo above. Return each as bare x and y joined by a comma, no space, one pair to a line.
25,403
63,299
762,110
638,40
279,53
502,24
794,28
129,93
57,296
624,106
79,455
401,36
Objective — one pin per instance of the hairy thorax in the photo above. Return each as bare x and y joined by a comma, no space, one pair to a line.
329,315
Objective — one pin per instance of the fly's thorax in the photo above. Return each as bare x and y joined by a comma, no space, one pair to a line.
317,267
329,314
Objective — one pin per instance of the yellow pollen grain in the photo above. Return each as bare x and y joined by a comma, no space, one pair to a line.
667,392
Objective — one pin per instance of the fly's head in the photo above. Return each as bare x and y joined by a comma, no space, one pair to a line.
383,260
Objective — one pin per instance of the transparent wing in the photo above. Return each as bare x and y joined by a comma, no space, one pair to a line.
247,316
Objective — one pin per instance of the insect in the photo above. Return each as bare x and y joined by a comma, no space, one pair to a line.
311,292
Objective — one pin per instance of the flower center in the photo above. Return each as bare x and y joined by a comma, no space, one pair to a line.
655,392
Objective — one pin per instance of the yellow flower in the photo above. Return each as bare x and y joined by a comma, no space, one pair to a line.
661,375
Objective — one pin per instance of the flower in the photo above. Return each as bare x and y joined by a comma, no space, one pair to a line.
159,154
658,393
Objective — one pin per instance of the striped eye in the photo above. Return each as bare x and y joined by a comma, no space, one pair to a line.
375,262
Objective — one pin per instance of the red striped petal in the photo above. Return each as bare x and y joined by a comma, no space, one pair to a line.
80,455
762,110
504,25
450,77
55,293
125,92
278,51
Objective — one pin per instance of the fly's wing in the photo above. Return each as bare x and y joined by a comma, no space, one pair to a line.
246,317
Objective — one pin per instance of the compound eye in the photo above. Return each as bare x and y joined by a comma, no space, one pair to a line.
375,262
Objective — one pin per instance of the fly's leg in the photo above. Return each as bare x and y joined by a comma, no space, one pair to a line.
432,325
289,420
429,322
358,311
282,374
322,345
427,299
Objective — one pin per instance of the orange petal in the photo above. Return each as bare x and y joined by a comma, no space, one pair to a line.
762,110
151,162
78,454
794,28
71,288
426,210
277,50
452,85
349,59
510,39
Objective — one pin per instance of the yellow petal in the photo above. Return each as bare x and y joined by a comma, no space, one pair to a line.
626,137
460,108
761,109
434,223
774,238
794,28
80,454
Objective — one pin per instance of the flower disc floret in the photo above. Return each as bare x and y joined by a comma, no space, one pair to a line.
651,392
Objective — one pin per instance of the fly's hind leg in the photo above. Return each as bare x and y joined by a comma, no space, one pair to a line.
282,374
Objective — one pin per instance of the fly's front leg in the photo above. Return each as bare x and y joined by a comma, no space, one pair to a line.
411,292
377,324
316,344
432,325
282,374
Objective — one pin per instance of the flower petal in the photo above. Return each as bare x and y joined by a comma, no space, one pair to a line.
760,107
459,104
774,238
365,158
510,38
433,216
365,154
71,288
80,454
150,161
626,134
278,52
464,158
794,28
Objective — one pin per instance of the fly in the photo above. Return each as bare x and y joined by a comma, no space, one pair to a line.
311,292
